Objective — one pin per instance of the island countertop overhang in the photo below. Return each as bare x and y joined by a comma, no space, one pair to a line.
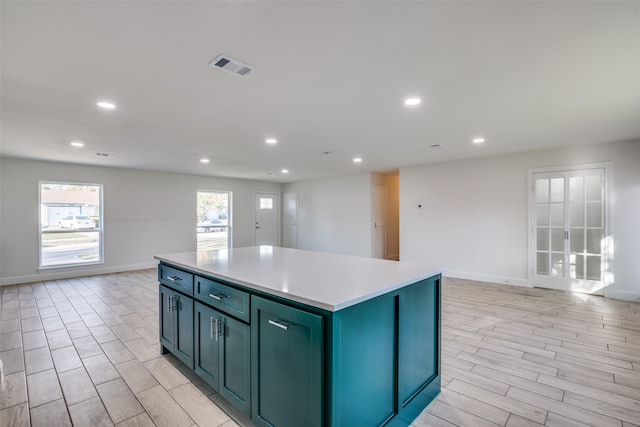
326,281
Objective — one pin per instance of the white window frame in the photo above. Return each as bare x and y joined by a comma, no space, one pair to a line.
99,229
229,215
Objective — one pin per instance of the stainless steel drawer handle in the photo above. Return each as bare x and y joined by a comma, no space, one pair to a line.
218,297
279,325
173,278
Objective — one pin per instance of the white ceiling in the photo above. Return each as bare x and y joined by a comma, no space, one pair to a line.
329,76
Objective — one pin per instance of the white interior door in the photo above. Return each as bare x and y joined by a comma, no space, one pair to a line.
549,230
587,231
379,216
569,230
290,220
267,217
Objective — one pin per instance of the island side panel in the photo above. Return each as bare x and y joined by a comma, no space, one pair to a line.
419,349
364,363
385,360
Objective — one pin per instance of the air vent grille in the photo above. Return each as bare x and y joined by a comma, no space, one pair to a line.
231,65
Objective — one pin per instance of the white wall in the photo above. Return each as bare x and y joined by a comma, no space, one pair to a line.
473,218
145,213
334,214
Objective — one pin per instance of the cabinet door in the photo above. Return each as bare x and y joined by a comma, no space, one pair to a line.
235,364
184,329
287,366
167,321
207,339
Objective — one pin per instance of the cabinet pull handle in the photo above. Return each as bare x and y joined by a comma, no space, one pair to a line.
217,328
174,278
211,327
279,325
218,297
168,303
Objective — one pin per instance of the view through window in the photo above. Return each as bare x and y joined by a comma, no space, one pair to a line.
213,220
70,224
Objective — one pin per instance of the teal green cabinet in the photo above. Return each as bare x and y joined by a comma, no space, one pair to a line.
176,324
385,359
417,339
365,363
286,365
167,322
223,297
207,343
222,355
283,363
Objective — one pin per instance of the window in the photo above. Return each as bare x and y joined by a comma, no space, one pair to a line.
70,224
266,203
213,226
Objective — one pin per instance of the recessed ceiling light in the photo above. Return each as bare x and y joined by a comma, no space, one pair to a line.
203,160
478,140
412,101
106,105
357,160
271,141
285,171
76,144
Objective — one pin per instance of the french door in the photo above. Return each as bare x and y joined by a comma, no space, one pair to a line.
569,230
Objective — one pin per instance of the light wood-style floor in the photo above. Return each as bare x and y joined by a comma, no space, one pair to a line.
85,352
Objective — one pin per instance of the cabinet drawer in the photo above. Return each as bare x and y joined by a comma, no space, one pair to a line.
223,297
176,279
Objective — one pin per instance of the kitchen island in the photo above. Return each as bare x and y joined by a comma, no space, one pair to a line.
300,338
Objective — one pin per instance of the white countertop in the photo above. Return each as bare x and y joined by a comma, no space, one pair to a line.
323,280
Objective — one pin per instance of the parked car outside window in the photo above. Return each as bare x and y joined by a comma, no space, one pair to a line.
76,222
207,225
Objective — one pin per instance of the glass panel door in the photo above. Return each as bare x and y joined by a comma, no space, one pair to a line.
568,230
586,230
550,260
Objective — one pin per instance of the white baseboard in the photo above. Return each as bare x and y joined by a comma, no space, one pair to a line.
625,295
503,280
68,274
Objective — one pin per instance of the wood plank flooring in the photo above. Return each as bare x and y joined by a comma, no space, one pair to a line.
514,356
85,352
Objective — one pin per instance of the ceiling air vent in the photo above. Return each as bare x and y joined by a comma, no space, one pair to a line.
231,65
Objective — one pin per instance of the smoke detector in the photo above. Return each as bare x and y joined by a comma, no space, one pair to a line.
231,65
